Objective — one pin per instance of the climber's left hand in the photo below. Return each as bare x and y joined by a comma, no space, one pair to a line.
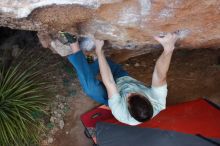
167,41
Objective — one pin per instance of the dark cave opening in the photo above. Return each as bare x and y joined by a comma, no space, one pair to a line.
13,41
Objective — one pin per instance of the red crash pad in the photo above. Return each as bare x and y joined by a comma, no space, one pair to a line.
194,117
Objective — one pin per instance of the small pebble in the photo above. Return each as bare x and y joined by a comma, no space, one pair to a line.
61,124
136,64
58,115
127,64
61,106
52,119
57,96
44,142
50,140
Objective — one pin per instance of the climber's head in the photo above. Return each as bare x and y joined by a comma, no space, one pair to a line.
140,107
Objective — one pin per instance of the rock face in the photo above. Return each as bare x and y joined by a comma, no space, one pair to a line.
126,24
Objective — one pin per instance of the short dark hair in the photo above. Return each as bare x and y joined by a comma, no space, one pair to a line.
140,107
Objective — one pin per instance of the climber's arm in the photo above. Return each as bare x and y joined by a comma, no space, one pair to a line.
105,70
163,63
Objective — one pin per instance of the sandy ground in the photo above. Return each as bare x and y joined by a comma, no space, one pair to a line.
193,74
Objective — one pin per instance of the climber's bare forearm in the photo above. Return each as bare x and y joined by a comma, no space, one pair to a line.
161,69
162,65
106,74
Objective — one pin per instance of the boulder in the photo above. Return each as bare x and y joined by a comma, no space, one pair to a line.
125,24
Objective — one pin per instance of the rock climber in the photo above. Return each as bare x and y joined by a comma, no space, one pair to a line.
130,101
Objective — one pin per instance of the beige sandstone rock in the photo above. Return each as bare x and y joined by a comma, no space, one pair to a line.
127,24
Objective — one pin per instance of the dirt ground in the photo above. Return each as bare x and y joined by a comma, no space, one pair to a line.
193,74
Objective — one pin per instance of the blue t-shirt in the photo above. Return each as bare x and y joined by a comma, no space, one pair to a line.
127,85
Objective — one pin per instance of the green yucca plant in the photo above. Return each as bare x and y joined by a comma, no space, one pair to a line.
22,95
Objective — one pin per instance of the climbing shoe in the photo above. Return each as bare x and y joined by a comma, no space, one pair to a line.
67,38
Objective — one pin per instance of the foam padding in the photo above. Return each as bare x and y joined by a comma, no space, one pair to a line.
194,117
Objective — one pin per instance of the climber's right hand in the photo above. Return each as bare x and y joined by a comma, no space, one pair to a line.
99,45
